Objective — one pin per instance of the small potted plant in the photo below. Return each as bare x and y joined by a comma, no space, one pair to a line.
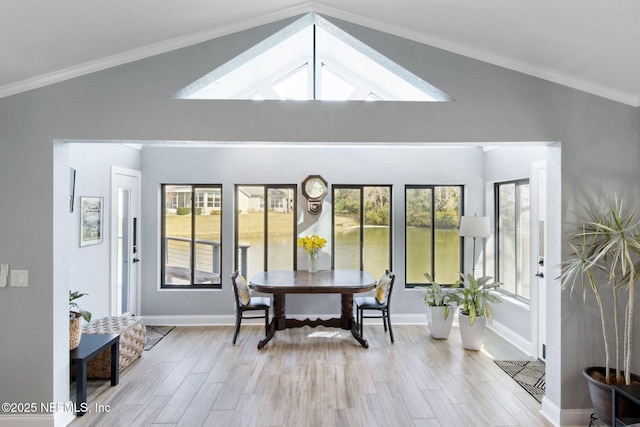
76,314
440,301
477,296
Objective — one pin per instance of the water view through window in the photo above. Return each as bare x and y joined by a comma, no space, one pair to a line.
432,240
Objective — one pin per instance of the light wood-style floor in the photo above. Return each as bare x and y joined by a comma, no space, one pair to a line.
195,377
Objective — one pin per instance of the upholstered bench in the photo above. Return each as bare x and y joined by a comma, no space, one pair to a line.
132,340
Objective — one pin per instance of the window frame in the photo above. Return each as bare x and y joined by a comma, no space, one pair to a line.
432,187
361,188
175,202
240,264
519,273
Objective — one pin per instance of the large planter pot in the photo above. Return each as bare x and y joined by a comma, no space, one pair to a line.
472,336
600,394
440,328
75,329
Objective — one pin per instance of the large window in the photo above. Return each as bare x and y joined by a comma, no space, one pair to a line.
191,236
513,212
265,238
432,239
362,228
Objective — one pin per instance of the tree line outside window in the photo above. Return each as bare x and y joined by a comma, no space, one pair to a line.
513,237
432,239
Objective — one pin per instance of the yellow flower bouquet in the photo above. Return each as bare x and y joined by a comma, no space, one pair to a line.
312,244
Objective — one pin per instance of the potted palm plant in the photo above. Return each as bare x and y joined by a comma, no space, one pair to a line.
76,314
440,302
605,258
477,296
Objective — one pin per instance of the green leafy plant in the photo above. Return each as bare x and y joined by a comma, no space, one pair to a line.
606,254
477,297
75,308
438,296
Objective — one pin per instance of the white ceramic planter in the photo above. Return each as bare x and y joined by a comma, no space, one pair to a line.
440,328
472,336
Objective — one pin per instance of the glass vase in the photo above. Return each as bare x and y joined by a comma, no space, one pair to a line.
313,262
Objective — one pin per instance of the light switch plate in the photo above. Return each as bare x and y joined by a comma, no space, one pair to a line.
4,273
20,278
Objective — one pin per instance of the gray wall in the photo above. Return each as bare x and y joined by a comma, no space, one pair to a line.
599,140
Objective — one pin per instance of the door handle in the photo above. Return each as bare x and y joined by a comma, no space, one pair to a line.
538,274
136,260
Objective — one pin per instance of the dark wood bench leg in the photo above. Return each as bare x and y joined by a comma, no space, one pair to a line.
81,388
115,363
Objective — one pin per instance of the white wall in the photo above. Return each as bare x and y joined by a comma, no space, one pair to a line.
383,165
89,266
508,164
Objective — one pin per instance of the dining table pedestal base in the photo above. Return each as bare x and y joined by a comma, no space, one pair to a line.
345,321
344,282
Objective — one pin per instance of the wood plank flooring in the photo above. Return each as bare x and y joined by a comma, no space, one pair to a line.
195,377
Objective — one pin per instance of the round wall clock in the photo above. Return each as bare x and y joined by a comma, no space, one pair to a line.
314,188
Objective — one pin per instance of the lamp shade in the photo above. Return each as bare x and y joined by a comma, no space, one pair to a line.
475,226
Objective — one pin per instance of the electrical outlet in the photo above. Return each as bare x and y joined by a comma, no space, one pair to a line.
20,278
4,273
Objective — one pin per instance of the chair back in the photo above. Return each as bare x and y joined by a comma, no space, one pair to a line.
234,276
391,278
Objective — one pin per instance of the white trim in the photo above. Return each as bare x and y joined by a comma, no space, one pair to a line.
230,319
150,50
57,419
538,213
564,417
513,338
485,56
305,7
31,420
117,170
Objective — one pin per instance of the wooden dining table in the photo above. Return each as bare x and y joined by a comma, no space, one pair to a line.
283,282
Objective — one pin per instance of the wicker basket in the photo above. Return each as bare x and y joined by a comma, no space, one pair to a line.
75,330
132,340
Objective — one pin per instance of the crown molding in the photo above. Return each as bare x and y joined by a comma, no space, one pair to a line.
318,7
151,50
484,56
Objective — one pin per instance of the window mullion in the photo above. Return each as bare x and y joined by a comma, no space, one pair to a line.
265,225
433,231
193,235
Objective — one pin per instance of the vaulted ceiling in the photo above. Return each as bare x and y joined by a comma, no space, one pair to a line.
591,45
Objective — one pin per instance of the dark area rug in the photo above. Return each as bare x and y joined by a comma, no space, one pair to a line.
528,373
155,334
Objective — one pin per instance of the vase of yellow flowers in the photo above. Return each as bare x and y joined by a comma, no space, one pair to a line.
312,245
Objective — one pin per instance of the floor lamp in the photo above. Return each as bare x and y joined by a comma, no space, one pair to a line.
474,226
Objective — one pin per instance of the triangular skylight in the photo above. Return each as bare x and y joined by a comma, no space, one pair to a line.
312,59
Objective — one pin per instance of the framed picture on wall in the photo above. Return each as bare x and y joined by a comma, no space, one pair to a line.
91,220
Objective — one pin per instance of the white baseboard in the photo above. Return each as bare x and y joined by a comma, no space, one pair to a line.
518,341
565,417
195,320
230,319
32,420
57,419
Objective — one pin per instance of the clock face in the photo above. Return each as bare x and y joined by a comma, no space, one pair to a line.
314,187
